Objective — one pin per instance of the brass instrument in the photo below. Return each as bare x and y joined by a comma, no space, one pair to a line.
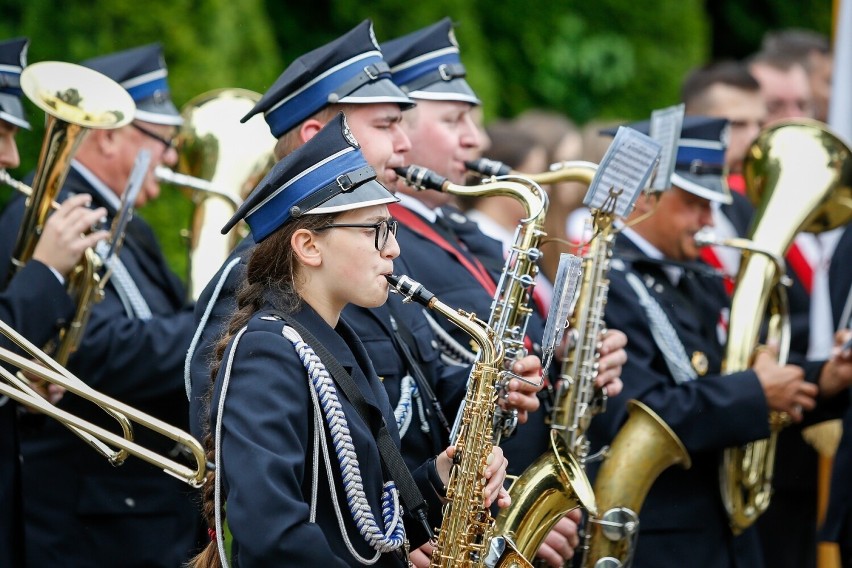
511,307
573,170
221,160
75,99
799,175
643,448
47,369
466,538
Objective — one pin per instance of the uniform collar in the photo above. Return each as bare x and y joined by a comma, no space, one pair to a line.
101,189
417,206
673,273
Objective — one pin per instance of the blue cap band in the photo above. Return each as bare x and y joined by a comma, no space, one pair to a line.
263,219
314,96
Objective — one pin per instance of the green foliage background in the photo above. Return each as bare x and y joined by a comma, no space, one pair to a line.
591,60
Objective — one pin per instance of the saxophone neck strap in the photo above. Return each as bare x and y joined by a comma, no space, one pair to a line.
411,497
403,338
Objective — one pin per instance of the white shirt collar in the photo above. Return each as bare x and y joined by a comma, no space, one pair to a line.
100,187
491,228
673,272
417,206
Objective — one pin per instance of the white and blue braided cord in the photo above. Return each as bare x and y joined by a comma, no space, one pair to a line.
403,411
378,539
664,333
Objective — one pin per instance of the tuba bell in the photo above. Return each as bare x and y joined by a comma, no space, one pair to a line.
799,176
220,161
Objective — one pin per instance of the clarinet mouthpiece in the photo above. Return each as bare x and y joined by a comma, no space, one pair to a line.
488,167
421,178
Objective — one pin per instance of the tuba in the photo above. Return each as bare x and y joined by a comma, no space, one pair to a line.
799,176
220,161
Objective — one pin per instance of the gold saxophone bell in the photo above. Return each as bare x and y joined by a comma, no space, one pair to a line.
799,176
643,448
47,369
220,160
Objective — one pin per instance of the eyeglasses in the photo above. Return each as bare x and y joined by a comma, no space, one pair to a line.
383,228
169,143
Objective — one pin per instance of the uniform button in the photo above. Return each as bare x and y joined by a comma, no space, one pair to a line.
658,288
434,344
130,502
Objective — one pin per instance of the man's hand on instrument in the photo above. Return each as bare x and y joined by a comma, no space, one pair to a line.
836,374
67,234
612,359
521,395
560,543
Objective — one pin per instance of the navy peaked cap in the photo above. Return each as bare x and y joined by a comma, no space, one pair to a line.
426,64
327,174
13,59
142,72
700,161
349,70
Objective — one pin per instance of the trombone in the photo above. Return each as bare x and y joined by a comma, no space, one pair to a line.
49,370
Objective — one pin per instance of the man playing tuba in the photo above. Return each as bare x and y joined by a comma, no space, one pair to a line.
674,310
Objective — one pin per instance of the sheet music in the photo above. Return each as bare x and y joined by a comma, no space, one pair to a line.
665,129
624,169
564,291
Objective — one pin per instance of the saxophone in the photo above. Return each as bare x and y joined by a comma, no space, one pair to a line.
645,443
797,161
511,307
466,538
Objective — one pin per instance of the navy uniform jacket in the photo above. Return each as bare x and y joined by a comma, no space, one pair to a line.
98,513
425,436
683,521
372,326
443,275
33,304
267,449
840,501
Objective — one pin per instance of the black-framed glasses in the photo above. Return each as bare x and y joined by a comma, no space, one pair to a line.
169,143
384,229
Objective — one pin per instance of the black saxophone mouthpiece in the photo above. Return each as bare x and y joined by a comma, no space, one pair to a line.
421,178
410,289
488,167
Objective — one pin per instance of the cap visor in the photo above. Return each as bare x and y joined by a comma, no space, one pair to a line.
162,112
709,187
12,111
365,195
452,90
381,91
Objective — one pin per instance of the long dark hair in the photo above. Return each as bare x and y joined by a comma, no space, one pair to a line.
270,278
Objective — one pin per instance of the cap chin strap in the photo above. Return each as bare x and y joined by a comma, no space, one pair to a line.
370,73
342,184
445,72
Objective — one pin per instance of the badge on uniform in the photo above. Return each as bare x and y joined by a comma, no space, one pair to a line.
700,363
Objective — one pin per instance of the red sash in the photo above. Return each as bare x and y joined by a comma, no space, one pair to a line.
472,264
709,256
801,267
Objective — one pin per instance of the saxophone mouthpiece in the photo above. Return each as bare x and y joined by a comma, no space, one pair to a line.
410,289
488,167
421,178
